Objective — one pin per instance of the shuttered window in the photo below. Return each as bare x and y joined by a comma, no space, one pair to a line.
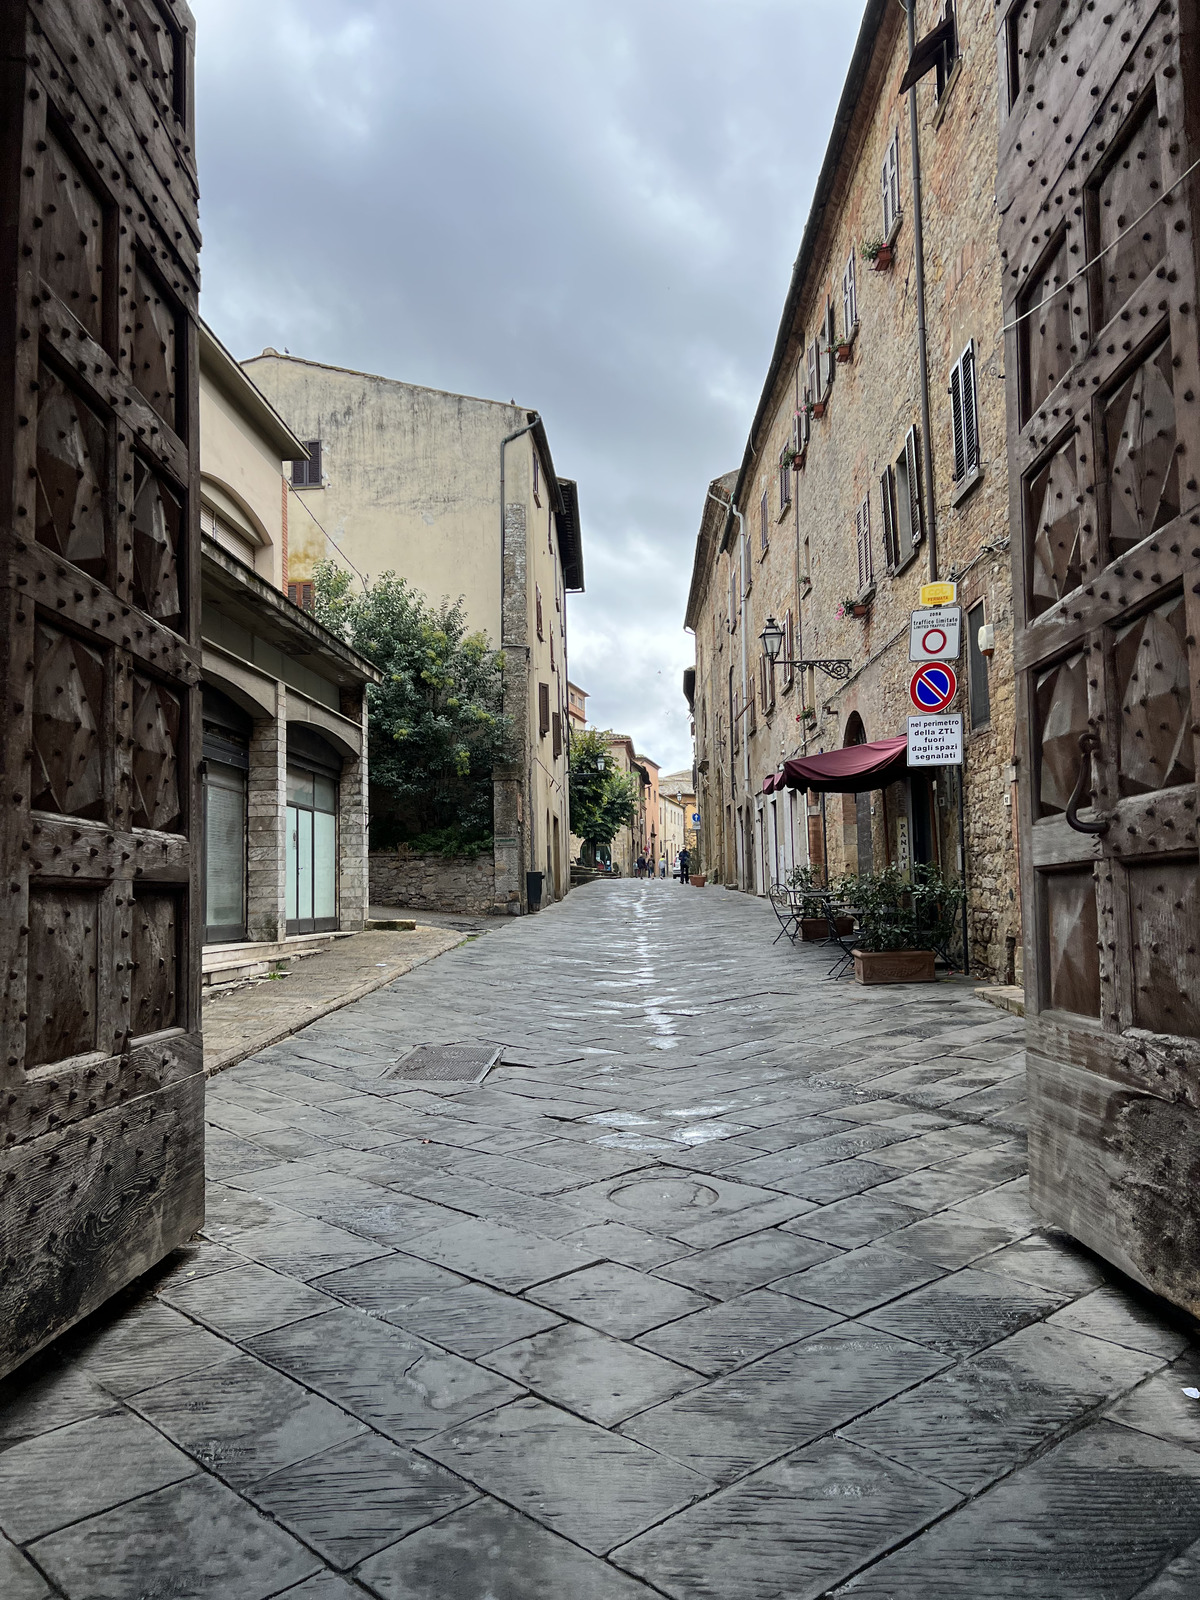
734,597
890,186
747,565
849,298
905,507
814,370
887,512
862,529
543,709
307,474
785,482
556,734
829,340
301,594
751,712
538,604
789,649
764,517
964,414
766,682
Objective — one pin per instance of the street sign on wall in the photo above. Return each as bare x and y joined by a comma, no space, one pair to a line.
935,634
933,687
935,741
939,594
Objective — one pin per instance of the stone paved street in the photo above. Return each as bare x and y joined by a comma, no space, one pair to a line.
722,1286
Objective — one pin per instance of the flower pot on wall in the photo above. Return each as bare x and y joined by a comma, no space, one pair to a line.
844,353
883,261
861,611
894,966
818,408
698,880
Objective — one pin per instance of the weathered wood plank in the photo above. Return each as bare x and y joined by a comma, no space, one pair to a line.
91,1207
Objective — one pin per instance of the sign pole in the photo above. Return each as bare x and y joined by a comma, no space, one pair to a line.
962,863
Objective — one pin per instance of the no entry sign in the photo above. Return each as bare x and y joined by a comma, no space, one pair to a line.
935,634
933,687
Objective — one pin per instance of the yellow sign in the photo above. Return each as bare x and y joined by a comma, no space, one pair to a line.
939,594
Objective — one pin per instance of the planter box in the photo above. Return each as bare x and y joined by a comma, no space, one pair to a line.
861,611
813,929
698,880
818,408
883,261
894,966
843,353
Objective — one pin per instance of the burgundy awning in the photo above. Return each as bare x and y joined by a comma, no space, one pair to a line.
850,770
773,781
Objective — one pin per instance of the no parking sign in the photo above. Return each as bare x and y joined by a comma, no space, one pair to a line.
933,687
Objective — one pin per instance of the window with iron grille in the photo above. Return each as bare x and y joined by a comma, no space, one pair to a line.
789,650
862,534
849,298
543,709
307,474
964,414
890,186
764,515
301,594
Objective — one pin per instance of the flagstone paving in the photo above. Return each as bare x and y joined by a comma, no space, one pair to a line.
722,1286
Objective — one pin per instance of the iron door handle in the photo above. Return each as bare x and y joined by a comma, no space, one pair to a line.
1088,745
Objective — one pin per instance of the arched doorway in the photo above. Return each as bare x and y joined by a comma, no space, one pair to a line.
856,733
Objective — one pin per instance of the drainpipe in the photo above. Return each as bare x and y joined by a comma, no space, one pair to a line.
733,511
922,343
530,820
534,419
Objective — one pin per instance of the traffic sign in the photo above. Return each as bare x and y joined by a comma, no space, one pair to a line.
933,687
939,594
696,818
935,634
935,741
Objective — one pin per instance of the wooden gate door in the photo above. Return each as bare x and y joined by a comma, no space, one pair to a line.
1098,230
101,1084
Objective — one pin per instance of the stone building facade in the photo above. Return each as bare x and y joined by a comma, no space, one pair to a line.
845,502
284,705
460,497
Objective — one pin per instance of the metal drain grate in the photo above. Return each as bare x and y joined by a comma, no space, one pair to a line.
446,1063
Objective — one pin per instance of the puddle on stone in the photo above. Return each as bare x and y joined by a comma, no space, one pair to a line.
706,1132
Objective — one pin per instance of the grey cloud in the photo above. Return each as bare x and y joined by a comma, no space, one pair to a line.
589,208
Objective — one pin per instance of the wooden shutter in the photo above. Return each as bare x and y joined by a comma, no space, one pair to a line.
543,709
862,523
814,370
970,408
829,338
789,649
751,712
849,298
537,593
912,462
556,734
552,648
887,505
956,422
763,520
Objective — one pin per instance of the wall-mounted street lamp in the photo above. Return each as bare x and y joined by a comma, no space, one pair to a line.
772,643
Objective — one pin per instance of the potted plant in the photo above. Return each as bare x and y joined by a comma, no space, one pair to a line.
901,920
810,896
878,253
854,606
808,717
815,408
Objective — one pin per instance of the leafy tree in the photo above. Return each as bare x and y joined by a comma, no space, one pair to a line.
603,798
436,724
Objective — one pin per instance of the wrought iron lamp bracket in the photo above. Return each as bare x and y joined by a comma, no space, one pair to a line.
832,667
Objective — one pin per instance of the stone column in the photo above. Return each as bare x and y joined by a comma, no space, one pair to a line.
353,870
266,807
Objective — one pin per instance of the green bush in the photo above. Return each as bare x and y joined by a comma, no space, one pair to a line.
897,911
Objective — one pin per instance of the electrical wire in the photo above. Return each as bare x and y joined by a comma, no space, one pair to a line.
291,490
1088,265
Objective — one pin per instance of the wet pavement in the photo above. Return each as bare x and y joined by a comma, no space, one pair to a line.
721,1286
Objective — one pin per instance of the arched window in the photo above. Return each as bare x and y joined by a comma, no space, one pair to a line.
855,732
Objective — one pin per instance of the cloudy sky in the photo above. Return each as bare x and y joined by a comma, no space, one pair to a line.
591,208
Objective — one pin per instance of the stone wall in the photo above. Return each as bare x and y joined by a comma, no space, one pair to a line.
434,883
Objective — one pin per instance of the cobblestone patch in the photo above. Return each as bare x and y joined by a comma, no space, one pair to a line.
722,1286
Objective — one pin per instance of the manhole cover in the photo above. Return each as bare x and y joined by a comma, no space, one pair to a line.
446,1063
661,1196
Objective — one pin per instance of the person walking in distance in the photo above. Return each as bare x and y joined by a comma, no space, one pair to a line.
685,865
641,866
662,866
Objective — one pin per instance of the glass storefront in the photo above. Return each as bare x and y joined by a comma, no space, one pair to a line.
312,836
226,765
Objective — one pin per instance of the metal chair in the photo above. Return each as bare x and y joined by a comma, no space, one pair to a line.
844,941
783,905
